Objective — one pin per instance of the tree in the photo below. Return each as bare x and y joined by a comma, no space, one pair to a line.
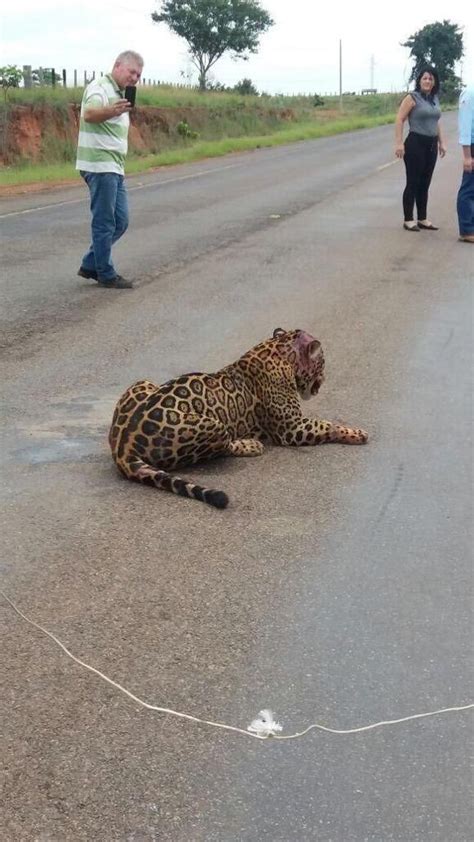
246,88
44,76
441,45
214,27
10,77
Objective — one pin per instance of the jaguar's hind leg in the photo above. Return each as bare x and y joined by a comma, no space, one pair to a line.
207,437
196,438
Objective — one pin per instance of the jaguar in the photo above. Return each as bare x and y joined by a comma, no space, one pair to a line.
231,412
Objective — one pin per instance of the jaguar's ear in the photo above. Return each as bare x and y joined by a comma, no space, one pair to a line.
278,332
314,349
307,344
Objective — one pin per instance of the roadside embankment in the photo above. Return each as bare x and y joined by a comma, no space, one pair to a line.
38,138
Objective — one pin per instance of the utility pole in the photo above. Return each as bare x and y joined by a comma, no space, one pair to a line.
340,73
372,67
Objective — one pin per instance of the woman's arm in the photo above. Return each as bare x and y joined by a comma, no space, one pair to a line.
406,106
441,141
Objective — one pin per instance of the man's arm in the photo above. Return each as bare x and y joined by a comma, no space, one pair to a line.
467,160
94,114
465,117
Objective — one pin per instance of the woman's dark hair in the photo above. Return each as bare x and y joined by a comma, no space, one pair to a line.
433,73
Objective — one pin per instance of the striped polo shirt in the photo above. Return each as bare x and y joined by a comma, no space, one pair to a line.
102,147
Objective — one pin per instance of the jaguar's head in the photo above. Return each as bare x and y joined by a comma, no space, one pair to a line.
305,355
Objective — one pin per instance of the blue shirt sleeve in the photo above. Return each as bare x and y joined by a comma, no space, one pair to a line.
466,117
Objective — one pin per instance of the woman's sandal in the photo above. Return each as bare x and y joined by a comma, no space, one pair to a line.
429,227
410,227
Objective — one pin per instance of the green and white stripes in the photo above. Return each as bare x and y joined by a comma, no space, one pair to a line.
102,147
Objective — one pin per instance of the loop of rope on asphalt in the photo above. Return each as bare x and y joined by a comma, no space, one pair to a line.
261,728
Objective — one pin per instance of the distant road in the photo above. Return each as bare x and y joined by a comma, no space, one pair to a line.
177,215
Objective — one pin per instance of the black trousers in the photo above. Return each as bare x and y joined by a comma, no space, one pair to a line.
421,152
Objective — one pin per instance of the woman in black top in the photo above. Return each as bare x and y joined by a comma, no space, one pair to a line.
420,150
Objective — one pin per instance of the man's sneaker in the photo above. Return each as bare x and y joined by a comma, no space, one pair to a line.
90,274
116,283
466,238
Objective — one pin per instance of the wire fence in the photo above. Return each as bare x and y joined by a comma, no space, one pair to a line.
52,77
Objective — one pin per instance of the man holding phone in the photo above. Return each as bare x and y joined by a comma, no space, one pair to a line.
101,151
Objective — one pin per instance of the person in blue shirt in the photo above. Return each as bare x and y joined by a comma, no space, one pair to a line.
465,200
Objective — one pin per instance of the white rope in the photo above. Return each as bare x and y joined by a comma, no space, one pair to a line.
260,729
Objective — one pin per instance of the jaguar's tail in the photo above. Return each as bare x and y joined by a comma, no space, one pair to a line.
141,472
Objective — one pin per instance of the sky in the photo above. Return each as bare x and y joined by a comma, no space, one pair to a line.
299,54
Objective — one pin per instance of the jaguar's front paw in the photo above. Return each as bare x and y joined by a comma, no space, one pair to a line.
246,447
349,435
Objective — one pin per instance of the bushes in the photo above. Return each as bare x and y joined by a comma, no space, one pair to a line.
185,131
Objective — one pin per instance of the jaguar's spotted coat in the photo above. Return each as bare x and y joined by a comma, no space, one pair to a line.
229,413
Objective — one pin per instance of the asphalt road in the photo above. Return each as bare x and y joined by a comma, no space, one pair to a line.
337,586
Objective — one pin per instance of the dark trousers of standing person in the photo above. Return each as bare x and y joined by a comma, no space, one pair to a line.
421,152
465,202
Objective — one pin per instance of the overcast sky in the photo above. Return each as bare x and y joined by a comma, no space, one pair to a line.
300,53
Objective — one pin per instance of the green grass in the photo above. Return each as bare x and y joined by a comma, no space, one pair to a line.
26,173
299,132
169,96
30,173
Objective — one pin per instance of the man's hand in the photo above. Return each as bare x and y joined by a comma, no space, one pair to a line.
120,107
100,115
468,164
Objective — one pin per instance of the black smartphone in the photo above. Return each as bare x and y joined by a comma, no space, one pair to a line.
130,94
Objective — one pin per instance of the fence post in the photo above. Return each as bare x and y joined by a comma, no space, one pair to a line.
27,80
64,79
75,78
85,78
40,75
53,77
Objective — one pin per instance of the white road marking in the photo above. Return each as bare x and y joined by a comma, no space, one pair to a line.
390,164
145,186
133,187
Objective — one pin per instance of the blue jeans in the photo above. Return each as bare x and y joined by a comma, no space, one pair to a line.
109,208
465,204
